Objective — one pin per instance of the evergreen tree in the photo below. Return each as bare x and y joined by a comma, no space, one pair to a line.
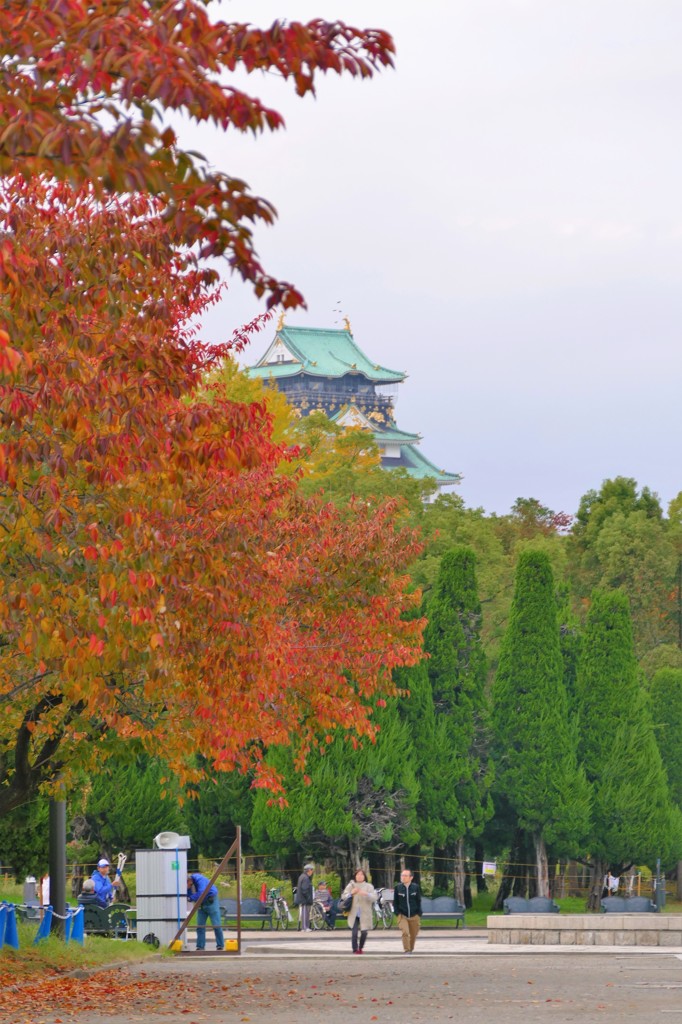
666,709
536,742
128,804
570,641
457,672
24,839
633,817
221,803
620,540
356,797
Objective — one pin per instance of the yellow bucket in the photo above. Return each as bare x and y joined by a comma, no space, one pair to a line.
176,946
232,945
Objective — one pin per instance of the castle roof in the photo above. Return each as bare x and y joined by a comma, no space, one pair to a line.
417,465
319,352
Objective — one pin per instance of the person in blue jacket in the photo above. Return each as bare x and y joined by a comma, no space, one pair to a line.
209,909
104,887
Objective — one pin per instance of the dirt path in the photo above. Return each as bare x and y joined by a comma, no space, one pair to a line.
344,989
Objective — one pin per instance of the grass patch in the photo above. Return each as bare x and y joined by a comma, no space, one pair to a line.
54,957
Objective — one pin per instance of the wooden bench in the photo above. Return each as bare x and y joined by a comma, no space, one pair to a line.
628,905
442,908
251,910
535,905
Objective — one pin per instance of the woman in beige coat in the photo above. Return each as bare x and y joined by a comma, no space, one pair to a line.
360,913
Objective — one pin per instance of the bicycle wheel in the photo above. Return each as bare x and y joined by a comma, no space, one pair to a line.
387,915
316,917
376,916
283,911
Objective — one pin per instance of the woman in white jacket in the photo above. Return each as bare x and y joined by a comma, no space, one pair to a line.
360,913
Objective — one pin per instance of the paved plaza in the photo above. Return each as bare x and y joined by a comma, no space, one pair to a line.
289,978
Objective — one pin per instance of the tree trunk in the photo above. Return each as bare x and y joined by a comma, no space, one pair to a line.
77,879
541,865
413,860
441,871
558,879
382,867
479,856
509,874
468,899
459,872
390,870
574,874
598,870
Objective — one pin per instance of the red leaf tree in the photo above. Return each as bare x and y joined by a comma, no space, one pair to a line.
86,90
160,581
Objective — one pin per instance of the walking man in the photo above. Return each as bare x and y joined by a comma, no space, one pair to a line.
407,903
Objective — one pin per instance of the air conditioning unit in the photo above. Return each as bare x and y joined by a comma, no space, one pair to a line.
171,841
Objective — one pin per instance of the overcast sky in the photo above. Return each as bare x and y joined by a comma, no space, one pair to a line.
501,218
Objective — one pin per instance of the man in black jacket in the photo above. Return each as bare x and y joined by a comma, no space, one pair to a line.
304,897
407,903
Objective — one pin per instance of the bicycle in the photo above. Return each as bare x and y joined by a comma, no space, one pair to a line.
382,909
281,915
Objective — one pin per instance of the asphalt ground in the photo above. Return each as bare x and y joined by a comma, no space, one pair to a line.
290,978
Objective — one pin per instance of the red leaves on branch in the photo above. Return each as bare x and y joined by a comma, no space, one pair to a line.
159,579
85,91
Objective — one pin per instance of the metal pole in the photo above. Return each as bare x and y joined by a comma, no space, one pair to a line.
238,841
57,862
660,887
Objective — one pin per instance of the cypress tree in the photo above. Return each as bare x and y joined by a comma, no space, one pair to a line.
536,742
458,775
633,816
666,709
357,798
222,803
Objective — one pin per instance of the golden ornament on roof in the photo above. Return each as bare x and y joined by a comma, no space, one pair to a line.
280,322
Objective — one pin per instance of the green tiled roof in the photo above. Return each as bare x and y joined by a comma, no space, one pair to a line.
323,353
391,435
419,466
382,434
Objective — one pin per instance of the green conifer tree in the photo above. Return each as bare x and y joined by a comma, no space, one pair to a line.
356,798
222,803
459,771
128,804
633,817
536,741
666,709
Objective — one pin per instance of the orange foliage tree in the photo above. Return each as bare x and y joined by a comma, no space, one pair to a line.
86,90
160,582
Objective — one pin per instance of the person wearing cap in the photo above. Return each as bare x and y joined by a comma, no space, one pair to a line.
304,896
104,887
